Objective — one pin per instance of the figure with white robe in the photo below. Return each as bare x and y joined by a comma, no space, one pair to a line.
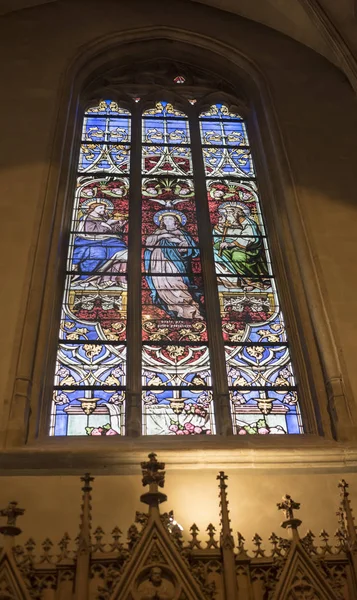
168,264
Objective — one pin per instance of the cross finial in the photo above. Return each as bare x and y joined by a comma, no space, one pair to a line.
11,512
153,471
343,486
288,505
87,480
222,478
153,476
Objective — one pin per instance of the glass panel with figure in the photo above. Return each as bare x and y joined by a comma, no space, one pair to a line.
263,391
89,390
176,374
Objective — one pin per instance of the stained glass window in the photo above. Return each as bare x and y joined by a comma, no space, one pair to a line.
177,374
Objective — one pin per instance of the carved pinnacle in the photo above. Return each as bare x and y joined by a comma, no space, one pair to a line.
346,518
227,541
46,556
211,543
257,541
324,537
84,537
30,546
226,531
194,543
274,540
63,546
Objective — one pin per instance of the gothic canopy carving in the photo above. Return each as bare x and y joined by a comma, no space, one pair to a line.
159,561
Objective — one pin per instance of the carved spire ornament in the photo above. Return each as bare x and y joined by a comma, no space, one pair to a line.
12,585
226,540
346,510
348,524
303,575
84,541
226,530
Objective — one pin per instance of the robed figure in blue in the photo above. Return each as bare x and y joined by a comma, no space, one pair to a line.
100,254
168,264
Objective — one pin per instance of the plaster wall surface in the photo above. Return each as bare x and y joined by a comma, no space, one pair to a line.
316,112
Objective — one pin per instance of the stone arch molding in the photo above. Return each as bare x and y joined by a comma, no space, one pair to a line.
35,355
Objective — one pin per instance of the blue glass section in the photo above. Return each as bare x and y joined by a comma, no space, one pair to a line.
223,132
154,131
94,129
95,157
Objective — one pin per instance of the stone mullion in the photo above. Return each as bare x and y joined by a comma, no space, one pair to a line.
214,326
133,394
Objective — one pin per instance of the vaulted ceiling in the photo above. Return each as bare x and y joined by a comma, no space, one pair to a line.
294,18
303,20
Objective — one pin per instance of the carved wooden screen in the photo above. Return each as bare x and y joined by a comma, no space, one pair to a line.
172,234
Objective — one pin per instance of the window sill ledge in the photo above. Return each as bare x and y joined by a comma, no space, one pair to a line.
62,456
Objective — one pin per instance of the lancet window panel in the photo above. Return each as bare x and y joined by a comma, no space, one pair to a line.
176,377
90,375
263,391
181,314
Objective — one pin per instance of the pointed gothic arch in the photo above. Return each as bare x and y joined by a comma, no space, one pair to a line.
86,73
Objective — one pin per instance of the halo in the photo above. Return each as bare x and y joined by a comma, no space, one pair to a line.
176,213
244,208
87,203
